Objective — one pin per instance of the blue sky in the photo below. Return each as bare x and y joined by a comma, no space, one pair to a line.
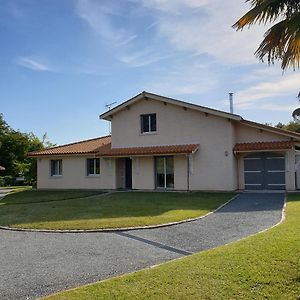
63,60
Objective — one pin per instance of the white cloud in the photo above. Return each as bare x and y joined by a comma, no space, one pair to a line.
272,92
33,64
202,26
275,87
172,7
184,80
287,107
128,40
99,15
142,58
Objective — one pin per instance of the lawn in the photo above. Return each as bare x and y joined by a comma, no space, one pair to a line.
70,210
264,266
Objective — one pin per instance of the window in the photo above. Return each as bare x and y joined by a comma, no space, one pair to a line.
164,166
56,167
93,166
148,123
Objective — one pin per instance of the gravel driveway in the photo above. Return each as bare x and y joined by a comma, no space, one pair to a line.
37,264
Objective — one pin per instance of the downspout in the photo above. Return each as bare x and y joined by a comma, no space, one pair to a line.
238,170
188,171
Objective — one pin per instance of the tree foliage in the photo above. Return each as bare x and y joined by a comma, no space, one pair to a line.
14,146
282,41
291,126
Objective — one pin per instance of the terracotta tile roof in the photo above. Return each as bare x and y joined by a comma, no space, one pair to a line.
152,150
280,145
82,147
102,147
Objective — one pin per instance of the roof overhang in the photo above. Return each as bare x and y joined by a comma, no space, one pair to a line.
263,146
148,151
146,95
66,154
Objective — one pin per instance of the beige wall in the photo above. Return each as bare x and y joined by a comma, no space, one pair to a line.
74,174
143,173
249,134
213,164
180,172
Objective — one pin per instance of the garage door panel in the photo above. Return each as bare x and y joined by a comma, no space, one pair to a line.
253,186
264,171
253,177
273,186
253,164
275,163
275,177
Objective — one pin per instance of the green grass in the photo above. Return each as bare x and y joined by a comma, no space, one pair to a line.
264,266
50,210
35,196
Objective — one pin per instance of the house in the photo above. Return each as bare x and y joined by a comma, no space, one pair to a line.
163,143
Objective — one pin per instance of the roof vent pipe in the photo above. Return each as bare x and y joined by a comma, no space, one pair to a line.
231,102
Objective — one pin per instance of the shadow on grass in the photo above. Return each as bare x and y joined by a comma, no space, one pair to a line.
116,207
36,196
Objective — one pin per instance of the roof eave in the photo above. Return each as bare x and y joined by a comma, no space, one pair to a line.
261,150
60,154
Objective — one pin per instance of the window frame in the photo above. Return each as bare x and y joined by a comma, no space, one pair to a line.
56,168
150,122
94,159
165,172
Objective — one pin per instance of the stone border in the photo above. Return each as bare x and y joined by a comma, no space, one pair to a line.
118,228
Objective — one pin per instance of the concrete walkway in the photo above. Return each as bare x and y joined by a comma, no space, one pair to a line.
37,264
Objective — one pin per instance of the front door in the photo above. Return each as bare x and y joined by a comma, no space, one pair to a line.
128,173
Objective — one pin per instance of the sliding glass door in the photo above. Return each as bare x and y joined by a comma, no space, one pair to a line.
164,168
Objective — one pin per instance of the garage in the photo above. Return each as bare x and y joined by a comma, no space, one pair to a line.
264,171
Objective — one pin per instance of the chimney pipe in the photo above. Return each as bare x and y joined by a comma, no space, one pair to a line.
231,102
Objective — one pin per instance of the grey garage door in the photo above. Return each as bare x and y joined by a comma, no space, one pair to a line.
264,171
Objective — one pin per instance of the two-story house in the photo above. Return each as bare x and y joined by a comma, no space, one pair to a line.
162,143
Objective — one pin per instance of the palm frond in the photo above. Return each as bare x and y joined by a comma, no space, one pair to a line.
264,11
282,42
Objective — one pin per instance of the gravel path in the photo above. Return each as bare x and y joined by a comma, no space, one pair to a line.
37,264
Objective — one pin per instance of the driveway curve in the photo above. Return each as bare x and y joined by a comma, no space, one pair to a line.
34,264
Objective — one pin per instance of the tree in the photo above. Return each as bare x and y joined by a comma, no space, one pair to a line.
282,41
291,126
14,146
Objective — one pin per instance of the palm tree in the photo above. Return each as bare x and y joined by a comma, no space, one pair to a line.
282,41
